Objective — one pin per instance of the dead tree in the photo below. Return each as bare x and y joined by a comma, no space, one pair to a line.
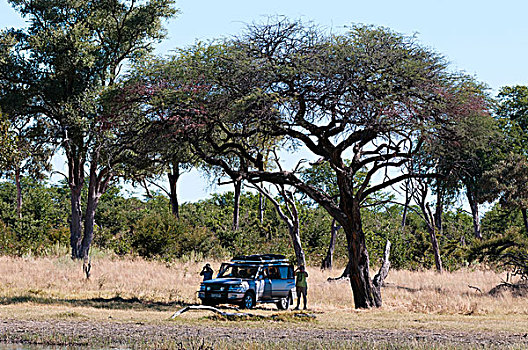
289,215
327,262
431,220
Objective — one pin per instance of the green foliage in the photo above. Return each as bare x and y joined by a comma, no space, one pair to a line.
44,220
411,246
512,113
162,235
508,251
500,219
7,143
128,225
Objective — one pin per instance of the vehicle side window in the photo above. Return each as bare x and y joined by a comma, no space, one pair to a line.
286,272
264,273
274,272
290,272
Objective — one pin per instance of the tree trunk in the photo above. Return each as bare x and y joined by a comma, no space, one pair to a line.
525,218
475,214
327,262
408,198
436,249
76,183
296,242
378,280
291,220
357,252
76,223
89,224
19,192
236,208
96,187
174,175
438,211
431,220
262,203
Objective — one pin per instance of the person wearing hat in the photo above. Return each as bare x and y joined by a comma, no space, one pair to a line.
301,285
207,272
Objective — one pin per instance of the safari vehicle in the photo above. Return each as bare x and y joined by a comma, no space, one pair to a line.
248,280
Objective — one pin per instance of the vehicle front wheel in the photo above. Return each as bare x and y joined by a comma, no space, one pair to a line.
249,301
284,303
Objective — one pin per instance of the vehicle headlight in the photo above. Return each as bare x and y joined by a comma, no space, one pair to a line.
237,288
202,287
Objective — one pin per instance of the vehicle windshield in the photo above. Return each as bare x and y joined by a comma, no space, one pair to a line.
238,271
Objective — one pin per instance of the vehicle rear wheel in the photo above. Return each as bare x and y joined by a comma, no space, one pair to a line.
284,303
249,301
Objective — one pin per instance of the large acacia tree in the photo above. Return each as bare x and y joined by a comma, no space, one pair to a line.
65,61
370,95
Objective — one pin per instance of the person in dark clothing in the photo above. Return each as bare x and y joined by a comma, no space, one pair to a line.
207,272
301,285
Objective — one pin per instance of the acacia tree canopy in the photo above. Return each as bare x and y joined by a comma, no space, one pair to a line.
370,95
64,62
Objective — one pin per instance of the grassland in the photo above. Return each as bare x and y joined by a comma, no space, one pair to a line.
128,303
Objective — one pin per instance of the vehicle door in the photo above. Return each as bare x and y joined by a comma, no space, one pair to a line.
284,282
265,285
277,282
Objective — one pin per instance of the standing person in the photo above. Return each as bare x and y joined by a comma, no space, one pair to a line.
301,285
207,272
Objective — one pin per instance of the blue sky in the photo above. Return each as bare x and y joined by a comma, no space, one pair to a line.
487,39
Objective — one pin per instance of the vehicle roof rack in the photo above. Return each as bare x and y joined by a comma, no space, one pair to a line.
261,258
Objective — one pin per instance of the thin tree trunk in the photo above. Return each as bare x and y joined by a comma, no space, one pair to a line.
19,192
294,229
430,220
89,224
292,221
174,175
236,208
406,205
76,223
296,242
525,218
96,187
76,183
378,280
439,209
436,249
262,203
327,262
474,214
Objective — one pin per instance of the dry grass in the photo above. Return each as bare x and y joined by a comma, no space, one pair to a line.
147,291
127,278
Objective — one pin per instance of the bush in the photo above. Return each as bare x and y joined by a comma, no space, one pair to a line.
162,235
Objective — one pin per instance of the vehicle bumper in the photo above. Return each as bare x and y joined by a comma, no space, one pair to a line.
224,297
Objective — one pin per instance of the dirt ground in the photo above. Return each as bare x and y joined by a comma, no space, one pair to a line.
128,304
116,334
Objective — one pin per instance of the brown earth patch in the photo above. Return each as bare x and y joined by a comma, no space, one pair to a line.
117,334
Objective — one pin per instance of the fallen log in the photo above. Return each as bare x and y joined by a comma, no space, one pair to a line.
234,314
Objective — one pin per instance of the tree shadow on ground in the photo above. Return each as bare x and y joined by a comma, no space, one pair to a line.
115,303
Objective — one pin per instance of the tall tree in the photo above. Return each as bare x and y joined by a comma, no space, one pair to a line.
508,178
470,148
370,94
69,56
7,142
154,152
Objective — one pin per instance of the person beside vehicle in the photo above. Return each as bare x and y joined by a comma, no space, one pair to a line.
207,272
301,285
